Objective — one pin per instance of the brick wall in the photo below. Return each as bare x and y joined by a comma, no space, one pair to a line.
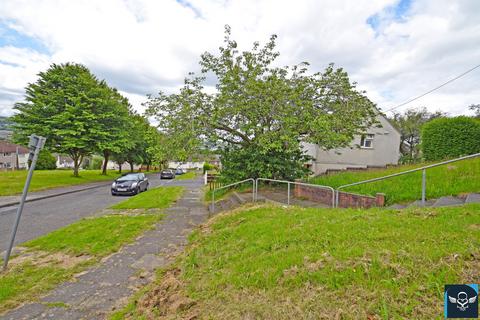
345,199
313,194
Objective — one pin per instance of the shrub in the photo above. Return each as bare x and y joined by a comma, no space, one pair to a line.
96,163
46,161
207,166
450,137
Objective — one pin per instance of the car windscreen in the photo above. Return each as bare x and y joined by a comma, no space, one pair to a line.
166,171
128,177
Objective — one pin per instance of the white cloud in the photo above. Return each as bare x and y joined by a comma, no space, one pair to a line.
142,46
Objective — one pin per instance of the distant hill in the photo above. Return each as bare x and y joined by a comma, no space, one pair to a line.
5,123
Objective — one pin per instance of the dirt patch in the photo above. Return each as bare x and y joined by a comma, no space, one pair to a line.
167,299
43,258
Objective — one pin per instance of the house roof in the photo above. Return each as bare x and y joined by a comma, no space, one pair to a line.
7,147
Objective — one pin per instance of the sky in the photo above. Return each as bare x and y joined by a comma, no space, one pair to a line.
394,50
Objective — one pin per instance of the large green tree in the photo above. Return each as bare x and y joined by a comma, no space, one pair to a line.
62,106
263,108
114,114
410,124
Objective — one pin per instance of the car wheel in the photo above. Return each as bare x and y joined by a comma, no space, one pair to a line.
113,193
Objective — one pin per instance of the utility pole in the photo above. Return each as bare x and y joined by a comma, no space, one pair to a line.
35,145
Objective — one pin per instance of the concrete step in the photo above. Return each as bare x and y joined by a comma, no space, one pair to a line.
397,206
473,198
418,203
448,201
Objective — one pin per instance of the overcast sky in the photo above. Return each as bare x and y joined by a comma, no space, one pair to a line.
395,50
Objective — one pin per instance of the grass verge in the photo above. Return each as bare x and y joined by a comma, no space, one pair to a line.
161,197
54,258
454,179
291,263
186,176
47,179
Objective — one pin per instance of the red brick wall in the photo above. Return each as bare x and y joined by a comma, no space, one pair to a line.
313,194
345,199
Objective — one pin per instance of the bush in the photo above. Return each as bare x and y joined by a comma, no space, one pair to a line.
444,138
207,166
96,163
46,161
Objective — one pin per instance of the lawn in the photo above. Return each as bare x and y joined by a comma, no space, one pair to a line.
186,176
46,179
267,262
57,256
161,197
453,179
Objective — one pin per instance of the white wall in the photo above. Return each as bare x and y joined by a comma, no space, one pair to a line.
385,151
186,165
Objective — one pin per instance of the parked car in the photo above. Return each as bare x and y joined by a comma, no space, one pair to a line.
167,174
184,170
131,183
179,171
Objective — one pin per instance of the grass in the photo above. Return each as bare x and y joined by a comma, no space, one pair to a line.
161,197
59,255
453,179
46,179
95,237
291,263
186,176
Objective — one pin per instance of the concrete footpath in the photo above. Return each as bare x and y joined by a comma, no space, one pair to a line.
100,290
7,201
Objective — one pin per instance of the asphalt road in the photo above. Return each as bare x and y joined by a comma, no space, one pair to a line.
43,216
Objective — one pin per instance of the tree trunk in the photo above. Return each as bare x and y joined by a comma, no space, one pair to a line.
131,166
148,167
120,167
106,154
77,161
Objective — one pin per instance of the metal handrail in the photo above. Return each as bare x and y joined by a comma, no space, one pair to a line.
295,183
424,176
231,185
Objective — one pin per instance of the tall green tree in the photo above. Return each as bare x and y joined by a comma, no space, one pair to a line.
114,117
410,124
136,152
62,106
265,109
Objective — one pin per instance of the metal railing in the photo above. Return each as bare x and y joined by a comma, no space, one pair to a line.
294,183
424,176
231,185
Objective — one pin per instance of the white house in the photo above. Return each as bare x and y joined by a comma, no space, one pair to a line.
377,147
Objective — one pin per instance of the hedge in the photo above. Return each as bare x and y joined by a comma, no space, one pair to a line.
444,138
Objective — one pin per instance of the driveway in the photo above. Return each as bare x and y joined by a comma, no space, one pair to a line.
43,216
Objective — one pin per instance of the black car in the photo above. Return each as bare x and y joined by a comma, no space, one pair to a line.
167,174
131,183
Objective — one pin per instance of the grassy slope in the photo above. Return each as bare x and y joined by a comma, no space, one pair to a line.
160,197
93,238
45,179
453,179
89,239
291,263
186,176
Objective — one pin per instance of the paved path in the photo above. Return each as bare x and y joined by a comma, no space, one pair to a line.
100,290
43,216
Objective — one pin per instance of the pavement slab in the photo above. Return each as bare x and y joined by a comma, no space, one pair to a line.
96,293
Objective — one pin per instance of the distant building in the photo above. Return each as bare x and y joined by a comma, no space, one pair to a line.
5,134
378,147
13,156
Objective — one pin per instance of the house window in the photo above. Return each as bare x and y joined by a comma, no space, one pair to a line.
6,154
366,141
